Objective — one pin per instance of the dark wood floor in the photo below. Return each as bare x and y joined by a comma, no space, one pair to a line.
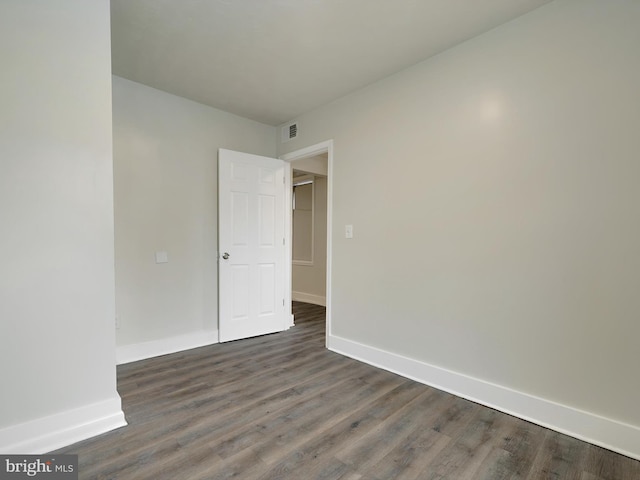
282,407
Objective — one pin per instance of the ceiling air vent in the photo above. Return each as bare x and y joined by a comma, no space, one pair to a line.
289,132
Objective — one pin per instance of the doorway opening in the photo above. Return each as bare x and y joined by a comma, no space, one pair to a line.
309,232
310,253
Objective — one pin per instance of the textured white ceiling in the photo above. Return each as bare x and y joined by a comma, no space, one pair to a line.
271,60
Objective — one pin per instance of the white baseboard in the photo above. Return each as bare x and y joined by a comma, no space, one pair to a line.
46,434
165,346
309,298
604,432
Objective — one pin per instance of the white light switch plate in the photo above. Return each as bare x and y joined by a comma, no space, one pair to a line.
162,257
348,231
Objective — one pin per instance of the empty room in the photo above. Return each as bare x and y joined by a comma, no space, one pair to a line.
462,302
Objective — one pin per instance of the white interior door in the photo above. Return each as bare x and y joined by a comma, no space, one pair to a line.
251,240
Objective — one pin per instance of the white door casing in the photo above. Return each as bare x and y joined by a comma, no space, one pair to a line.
251,240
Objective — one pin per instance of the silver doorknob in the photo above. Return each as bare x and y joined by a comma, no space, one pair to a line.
225,255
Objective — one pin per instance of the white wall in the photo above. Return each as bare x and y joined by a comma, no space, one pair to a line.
57,346
318,164
165,164
494,195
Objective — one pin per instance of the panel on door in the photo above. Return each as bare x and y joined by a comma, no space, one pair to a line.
251,229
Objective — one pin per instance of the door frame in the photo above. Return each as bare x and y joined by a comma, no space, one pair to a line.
311,151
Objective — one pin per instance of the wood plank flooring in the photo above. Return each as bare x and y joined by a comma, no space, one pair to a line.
283,407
